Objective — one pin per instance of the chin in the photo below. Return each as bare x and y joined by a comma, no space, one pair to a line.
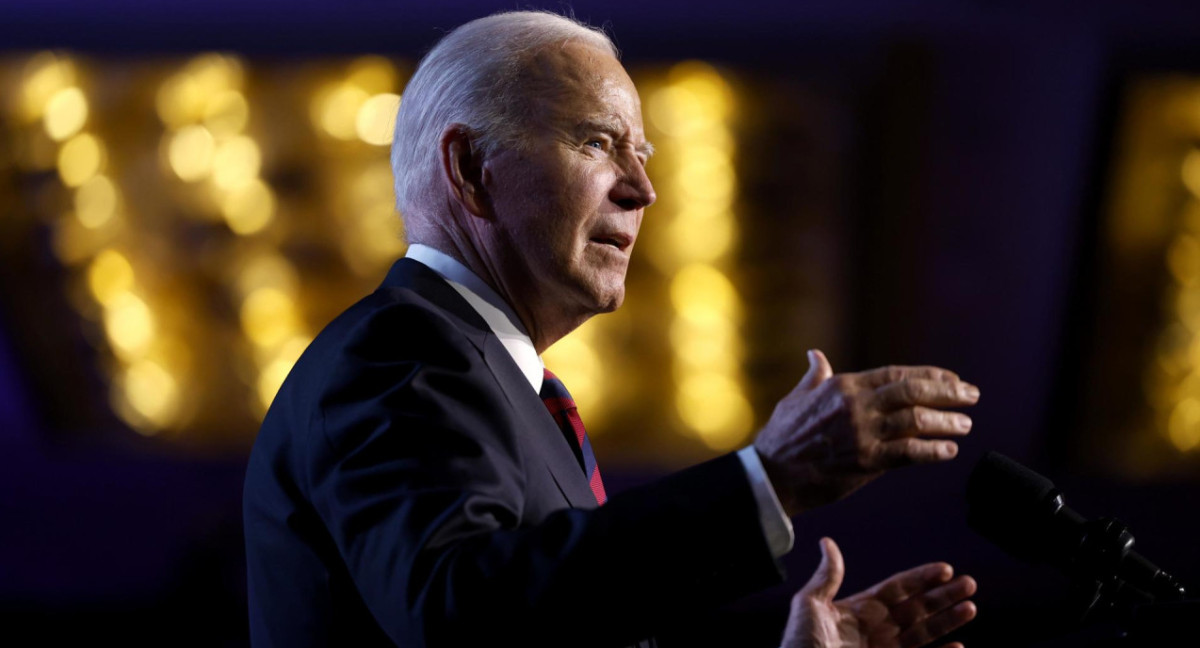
607,300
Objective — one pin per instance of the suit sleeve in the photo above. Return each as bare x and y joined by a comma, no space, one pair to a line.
415,469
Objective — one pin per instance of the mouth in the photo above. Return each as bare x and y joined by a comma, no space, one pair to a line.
616,240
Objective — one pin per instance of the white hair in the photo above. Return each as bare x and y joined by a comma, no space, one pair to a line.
473,76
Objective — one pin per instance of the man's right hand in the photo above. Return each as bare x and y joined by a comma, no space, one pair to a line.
834,433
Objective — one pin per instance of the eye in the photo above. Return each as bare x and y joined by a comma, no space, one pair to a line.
596,143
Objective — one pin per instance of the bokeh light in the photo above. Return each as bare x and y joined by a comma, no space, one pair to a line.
80,158
65,114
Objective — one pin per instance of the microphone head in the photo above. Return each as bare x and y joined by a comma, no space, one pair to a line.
1014,507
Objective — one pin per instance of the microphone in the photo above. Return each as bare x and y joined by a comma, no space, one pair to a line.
1026,515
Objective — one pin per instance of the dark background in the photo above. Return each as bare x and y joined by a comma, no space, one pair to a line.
982,133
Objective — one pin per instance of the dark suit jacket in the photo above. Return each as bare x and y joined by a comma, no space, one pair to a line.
409,488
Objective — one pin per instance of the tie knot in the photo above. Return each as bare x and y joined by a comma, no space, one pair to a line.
554,390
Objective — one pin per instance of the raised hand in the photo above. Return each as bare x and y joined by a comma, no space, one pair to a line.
909,609
834,433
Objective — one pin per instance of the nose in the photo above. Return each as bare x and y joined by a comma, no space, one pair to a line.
633,190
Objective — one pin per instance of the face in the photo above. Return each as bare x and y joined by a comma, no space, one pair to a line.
568,205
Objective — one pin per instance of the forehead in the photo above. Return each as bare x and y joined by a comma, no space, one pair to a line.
577,81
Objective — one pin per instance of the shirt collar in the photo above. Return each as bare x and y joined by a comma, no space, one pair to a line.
499,316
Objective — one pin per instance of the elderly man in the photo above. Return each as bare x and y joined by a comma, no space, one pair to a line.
422,480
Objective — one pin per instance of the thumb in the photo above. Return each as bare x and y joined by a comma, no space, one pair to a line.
826,581
819,370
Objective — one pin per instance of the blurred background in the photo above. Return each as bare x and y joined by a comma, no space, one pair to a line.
189,191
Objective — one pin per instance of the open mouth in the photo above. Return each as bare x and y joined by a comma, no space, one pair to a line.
618,241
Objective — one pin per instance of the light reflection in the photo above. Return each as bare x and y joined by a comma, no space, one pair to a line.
190,153
335,110
271,378
129,324
152,392
1183,426
96,202
236,163
79,159
376,119
249,208
712,405
45,74
109,276
226,113
66,113
269,316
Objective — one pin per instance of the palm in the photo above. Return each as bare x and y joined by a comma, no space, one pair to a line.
909,609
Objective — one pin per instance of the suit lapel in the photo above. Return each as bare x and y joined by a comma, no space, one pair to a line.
544,433
548,438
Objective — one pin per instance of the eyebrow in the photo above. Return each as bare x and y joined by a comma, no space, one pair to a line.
611,126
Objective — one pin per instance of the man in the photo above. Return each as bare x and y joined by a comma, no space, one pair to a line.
411,487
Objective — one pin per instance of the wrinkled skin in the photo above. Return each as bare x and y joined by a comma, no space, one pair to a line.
909,609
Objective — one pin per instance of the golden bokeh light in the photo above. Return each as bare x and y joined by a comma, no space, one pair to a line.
269,317
271,378
1183,426
205,90
373,74
153,393
695,100
80,158
374,240
250,208
65,114
45,74
180,102
377,119
712,405
1183,259
703,237
335,110
96,202
266,270
575,361
190,153
698,289
1190,172
236,163
226,113
129,324
109,276
708,343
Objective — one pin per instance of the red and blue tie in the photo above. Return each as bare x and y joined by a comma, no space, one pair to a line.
562,407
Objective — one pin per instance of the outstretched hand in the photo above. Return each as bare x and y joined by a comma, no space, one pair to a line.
834,433
909,609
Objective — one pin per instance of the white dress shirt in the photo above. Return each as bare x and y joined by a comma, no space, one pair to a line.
508,327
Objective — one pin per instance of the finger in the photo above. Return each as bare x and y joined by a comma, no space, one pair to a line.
911,450
938,625
890,374
923,421
923,391
901,586
826,581
933,601
819,370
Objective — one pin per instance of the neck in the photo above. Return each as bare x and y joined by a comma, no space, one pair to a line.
546,323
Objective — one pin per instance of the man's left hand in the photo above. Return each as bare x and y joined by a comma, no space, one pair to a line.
909,609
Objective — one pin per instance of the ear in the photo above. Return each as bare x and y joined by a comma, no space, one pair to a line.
463,170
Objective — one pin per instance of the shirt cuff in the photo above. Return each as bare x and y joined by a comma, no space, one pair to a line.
776,526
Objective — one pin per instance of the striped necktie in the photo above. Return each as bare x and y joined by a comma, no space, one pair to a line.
562,407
